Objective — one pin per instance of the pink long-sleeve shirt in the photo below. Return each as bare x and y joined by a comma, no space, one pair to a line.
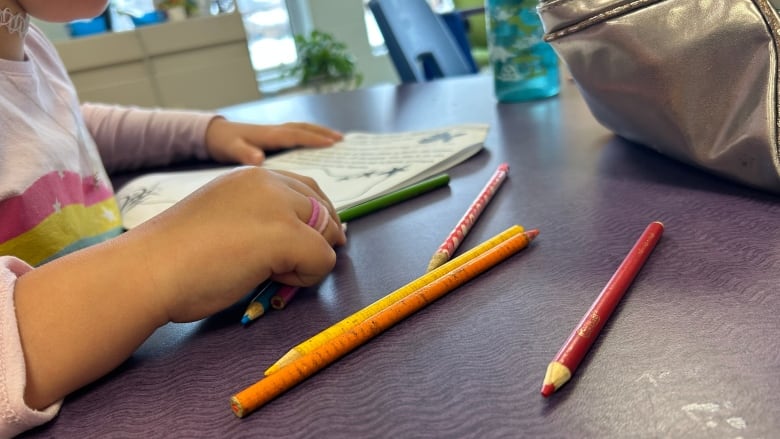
55,195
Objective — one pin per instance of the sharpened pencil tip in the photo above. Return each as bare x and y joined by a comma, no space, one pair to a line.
531,234
245,320
438,260
548,389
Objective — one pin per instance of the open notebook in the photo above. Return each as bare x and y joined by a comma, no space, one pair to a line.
361,167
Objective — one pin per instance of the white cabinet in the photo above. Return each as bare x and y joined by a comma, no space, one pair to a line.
198,63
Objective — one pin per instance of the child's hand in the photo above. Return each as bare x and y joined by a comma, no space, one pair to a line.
244,143
196,258
213,247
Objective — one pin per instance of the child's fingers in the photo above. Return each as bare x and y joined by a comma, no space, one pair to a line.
317,129
322,221
311,252
309,187
314,259
290,135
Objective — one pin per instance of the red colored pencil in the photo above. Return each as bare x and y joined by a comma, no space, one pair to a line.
283,296
569,357
456,236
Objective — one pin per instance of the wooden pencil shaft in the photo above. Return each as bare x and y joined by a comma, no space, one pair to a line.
467,221
583,336
265,291
283,296
348,322
290,375
560,370
403,194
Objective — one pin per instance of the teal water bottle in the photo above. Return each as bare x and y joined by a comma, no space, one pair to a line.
524,66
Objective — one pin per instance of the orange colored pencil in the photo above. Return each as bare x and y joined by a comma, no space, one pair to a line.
348,322
263,391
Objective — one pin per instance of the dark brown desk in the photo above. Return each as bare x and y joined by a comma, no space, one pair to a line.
692,350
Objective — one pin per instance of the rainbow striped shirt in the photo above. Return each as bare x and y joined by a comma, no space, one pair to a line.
58,213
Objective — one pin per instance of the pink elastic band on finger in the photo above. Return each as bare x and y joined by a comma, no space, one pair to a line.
323,220
315,212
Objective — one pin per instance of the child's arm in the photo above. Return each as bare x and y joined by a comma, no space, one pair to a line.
16,416
83,314
132,138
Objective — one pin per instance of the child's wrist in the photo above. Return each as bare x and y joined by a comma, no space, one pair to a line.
211,138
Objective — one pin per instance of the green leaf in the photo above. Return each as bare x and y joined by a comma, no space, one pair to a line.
323,58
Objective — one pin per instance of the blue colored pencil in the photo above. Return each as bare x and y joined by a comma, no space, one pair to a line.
261,301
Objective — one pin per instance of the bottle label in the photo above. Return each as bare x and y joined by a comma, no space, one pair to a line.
520,58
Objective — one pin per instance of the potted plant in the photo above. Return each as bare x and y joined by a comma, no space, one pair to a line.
324,63
176,9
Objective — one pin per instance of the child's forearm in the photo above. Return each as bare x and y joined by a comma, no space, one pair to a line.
83,314
80,316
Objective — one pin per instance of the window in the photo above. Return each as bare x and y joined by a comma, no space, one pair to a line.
271,42
270,39
375,35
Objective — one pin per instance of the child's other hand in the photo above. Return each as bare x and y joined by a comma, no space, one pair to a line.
244,143
215,246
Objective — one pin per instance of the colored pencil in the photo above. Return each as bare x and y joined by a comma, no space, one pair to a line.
352,320
258,394
283,296
559,371
402,194
456,236
261,302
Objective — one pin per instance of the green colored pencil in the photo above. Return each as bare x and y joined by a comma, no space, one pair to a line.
402,194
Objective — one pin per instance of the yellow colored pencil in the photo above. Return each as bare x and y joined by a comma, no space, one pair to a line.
352,320
291,374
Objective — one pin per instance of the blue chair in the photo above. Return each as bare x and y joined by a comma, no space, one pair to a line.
457,25
421,46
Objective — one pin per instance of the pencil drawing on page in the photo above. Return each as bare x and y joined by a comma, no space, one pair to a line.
131,199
